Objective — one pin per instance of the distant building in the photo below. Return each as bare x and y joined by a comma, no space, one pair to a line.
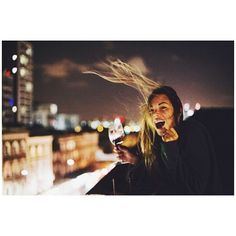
45,114
27,163
17,82
66,121
74,152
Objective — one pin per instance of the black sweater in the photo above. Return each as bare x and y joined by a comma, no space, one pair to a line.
184,166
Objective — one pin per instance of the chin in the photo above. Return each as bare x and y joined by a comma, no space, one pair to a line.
159,132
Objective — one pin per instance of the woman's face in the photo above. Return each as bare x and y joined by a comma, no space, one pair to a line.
162,112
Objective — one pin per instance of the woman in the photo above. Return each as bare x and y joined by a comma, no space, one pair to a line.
174,156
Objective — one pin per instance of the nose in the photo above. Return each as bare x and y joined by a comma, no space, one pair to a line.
156,116
155,113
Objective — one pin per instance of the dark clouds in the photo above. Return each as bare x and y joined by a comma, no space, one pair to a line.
199,71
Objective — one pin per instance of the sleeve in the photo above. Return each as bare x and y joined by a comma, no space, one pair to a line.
139,181
190,163
137,176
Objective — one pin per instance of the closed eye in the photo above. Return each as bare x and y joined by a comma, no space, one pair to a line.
151,110
163,108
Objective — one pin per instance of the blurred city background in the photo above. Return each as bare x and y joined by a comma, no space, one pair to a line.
55,119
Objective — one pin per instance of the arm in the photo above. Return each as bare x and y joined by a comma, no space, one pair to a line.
188,161
137,177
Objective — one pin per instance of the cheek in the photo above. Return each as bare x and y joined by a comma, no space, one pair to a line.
171,122
167,115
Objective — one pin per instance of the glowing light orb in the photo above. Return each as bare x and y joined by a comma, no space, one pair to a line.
197,106
14,57
70,162
24,172
100,128
14,109
186,106
14,70
190,112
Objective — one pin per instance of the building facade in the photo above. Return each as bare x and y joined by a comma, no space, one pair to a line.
74,153
27,163
45,114
17,82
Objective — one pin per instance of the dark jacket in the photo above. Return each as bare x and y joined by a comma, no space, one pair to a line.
184,166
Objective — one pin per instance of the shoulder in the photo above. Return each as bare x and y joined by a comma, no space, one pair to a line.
191,124
193,129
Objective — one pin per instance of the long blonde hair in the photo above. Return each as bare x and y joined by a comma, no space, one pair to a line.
147,136
117,71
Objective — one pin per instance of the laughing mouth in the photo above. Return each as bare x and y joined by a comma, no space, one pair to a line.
160,124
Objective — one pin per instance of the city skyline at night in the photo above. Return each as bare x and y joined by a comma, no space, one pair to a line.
200,71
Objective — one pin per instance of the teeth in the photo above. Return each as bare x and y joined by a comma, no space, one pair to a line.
158,121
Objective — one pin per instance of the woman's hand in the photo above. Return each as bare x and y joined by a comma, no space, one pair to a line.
125,155
170,135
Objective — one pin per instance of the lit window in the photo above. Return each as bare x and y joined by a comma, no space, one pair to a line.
70,145
53,108
23,59
23,145
28,87
23,109
29,51
15,167
7,148
16,147
32,151
40,150
22,72
7,172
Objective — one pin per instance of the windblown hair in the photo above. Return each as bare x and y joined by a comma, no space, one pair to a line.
117,71
123,73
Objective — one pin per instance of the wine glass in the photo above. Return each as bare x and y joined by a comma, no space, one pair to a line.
116,133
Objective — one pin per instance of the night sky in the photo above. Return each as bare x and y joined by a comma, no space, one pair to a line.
199,71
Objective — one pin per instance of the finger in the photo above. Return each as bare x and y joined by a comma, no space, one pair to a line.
120,153
125,151
170,135
122,157
116,150
165,138
174,131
